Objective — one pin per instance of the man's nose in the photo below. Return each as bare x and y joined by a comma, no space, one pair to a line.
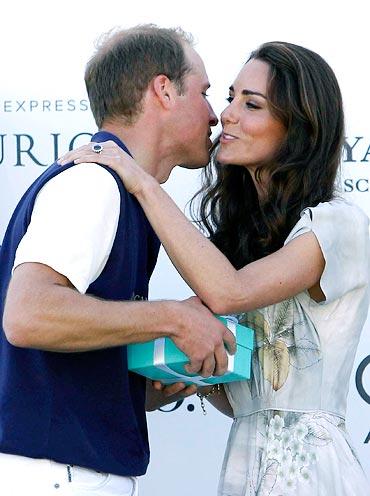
213,121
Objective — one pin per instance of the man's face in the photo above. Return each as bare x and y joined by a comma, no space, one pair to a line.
193,116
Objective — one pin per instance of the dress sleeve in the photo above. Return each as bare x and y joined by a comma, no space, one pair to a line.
73,224
342,230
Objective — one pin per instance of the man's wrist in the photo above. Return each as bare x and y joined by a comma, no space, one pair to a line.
172,318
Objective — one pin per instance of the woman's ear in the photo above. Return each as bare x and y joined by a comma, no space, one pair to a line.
164,90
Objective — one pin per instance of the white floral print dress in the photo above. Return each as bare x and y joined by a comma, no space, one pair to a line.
288,435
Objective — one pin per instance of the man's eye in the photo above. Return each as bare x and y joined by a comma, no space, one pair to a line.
204,93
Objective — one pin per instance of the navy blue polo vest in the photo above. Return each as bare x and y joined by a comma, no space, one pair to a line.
79,408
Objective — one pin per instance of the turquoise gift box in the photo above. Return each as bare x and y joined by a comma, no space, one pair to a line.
162,360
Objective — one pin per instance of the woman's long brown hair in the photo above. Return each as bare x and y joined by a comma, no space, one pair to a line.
303,93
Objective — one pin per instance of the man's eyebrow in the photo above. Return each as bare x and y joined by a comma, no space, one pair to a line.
249,92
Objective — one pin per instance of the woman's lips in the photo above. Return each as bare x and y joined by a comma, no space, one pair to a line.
227,138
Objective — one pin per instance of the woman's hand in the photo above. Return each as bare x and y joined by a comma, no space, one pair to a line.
113,156
158,394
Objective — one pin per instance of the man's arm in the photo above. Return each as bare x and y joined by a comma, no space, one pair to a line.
44,311
64,250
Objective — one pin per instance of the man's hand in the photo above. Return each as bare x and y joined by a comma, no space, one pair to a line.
203,339
158,394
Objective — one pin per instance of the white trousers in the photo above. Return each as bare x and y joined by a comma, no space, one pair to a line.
21,476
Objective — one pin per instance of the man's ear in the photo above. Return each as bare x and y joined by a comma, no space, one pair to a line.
164,90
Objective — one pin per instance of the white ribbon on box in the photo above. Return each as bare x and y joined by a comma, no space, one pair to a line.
160,360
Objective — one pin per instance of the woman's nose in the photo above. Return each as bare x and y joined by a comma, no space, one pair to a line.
229,114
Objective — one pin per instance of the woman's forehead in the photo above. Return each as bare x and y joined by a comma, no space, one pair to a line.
252,77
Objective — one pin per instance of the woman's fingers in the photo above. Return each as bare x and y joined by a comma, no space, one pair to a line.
91,152
73,155
110,154
179,388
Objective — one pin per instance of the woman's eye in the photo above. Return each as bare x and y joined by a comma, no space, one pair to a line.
205,94
252,105
229,99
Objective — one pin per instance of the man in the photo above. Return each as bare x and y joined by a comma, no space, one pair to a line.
77,250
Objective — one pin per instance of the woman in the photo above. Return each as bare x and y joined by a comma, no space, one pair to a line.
289,259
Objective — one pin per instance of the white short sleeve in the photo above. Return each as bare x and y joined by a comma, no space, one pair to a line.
73,224
342,230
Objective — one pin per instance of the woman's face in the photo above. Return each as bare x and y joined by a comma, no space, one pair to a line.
251,134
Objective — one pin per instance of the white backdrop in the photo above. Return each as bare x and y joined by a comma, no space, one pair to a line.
43,111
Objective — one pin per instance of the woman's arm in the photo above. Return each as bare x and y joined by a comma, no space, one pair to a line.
285,273
218,399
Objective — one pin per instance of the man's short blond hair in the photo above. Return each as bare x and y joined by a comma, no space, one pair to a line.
125,62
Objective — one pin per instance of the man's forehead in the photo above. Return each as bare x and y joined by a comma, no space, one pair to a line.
197,64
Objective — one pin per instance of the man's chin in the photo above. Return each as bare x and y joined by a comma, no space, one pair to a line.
197,164
192,166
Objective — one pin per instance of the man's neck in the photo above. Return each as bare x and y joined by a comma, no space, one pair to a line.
145,146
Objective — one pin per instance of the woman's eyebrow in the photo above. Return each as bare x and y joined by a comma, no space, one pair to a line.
249,92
